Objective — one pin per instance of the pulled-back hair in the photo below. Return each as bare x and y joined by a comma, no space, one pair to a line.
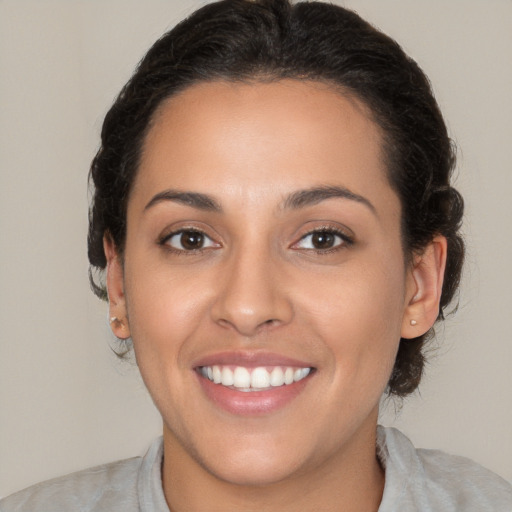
268,40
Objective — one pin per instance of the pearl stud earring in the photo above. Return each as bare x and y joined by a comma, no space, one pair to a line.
413,322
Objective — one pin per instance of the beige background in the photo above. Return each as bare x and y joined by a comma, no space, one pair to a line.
65,401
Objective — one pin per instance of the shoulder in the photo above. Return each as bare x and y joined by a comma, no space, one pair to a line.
118,486
431,480
91,489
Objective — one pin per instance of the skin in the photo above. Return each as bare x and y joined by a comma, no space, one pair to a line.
259,285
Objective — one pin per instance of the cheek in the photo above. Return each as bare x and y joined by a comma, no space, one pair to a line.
164,309
165,313
365,295
358,313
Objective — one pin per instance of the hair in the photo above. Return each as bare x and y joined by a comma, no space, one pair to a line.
269,40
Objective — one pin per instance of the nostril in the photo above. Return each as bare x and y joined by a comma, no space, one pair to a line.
269,323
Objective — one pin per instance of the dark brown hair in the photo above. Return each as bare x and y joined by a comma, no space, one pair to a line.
244,40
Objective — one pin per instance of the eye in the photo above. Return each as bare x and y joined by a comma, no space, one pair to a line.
188,240
322,240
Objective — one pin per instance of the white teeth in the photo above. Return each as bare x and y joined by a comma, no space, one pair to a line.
227,377
217,375
277,377
288,375
241,377
300,373
260,378
305,373
247,379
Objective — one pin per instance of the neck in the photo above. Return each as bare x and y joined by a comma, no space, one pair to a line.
351,480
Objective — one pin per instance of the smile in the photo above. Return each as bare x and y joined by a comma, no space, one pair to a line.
260,378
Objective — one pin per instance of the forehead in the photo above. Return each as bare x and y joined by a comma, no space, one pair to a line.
260,138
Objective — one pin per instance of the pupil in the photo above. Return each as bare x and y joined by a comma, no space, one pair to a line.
323,240
192,240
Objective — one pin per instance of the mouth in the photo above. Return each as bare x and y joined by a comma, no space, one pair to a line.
260,378
252,384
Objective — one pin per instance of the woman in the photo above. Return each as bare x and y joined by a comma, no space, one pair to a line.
273,210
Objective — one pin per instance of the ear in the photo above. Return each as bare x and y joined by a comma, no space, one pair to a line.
115,289
423,289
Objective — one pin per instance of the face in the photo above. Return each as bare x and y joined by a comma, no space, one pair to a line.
264,283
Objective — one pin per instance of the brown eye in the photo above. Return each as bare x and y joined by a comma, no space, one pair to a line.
189,240
323,240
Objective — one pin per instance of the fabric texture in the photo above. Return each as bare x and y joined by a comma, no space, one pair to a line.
416,481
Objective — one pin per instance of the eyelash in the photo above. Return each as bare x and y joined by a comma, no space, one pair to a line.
165,239
346,240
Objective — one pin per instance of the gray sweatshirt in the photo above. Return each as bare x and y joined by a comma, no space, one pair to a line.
416,481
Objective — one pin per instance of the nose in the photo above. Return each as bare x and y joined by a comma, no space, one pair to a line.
253,294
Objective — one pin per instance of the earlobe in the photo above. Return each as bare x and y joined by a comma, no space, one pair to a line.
118,318
424,288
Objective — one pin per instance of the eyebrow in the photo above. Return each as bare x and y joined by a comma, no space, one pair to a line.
296,200
193,199
312,196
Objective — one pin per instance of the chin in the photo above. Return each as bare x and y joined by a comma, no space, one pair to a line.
245,470
246,459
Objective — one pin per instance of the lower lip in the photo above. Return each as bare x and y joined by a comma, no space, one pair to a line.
252,403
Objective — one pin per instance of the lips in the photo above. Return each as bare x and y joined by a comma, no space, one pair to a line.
245,383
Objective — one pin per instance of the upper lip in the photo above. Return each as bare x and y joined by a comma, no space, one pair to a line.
250,359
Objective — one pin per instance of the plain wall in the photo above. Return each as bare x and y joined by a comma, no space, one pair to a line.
66,402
